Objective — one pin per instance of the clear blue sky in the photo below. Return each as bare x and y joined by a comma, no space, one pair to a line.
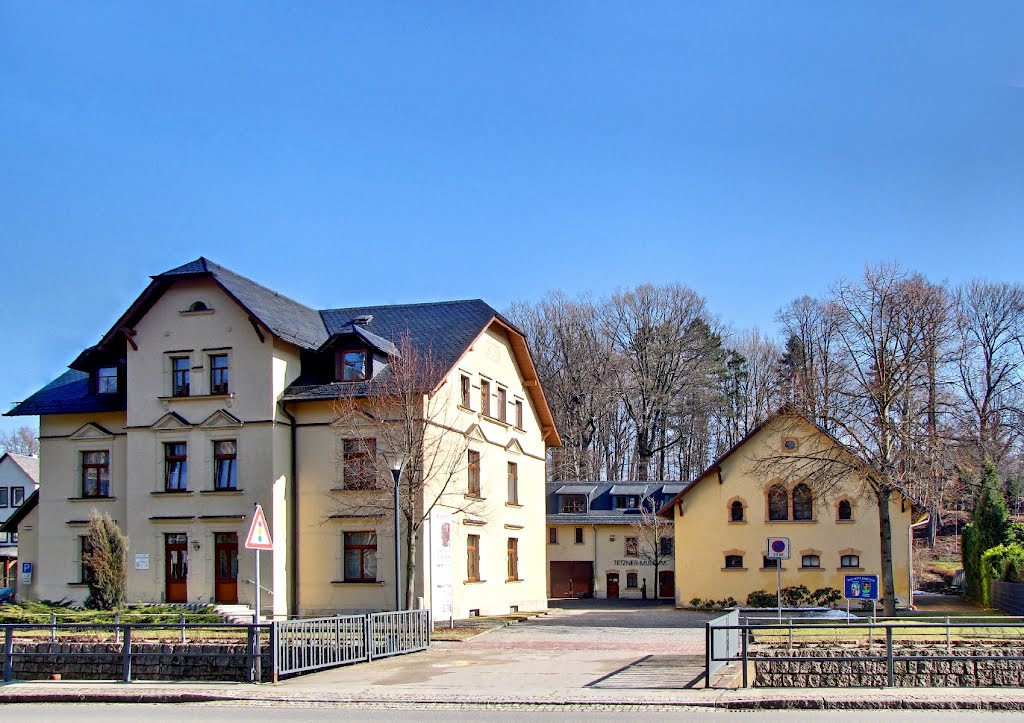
348,153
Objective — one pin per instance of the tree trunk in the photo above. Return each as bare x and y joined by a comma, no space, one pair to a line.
410,564
657,582
885,538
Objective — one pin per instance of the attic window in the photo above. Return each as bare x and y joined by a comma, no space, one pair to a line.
106,380
363,320
198,306
350,365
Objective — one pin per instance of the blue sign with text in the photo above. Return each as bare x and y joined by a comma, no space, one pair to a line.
26,567
861,587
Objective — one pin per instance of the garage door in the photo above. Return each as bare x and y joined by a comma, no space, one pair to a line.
572,578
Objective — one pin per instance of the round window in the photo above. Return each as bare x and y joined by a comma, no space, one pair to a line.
790,444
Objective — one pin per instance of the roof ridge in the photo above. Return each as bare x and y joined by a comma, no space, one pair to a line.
253,282
406,306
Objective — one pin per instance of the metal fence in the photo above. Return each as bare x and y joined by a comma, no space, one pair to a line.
119,641
862,640
301,646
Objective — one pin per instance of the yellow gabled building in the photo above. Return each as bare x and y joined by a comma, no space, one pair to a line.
724,517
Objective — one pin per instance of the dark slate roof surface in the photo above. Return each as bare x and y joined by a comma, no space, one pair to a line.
68,394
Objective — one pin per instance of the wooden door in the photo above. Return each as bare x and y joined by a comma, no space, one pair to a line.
176,567
225,561
561,579
583,579
667,584
613,584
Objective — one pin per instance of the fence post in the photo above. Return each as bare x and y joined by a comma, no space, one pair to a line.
888,653
790,648
53,627
709,653
746,681
8,654
273,651
117,628
949,640
182,623
126,654
368,636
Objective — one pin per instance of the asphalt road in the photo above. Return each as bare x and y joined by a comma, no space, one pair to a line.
83,713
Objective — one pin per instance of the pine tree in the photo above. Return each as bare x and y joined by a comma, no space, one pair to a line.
107,563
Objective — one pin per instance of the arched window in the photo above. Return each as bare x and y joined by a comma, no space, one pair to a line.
845,510
736,511
803,509
849,561
778,503
198,306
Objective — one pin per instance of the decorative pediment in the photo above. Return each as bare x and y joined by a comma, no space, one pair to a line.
172,420
221,419
513,447
92,431
477,433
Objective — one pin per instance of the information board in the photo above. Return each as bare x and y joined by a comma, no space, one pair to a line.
861,587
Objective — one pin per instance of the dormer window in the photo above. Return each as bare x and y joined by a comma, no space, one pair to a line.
627,502
352,365
572,504
106,380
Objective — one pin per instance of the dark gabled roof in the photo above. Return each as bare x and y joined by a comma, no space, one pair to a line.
68,394
284,317
12,522
445,328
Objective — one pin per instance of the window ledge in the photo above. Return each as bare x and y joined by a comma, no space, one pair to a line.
791,522
91,499
850,569
229,395
473,582
771,569
513,579
734,569
513,504
364,583
738,522
495,420
519,429
172,493
226,493
474,497
78,584
464,408
202,312
810,569
845,522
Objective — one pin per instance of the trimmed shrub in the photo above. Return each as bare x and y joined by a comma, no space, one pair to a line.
762,599
793,596
825,596
107,562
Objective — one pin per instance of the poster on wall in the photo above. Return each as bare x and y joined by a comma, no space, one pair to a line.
441,564
141,560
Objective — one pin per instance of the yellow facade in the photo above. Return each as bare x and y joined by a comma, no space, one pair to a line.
254,417
706,533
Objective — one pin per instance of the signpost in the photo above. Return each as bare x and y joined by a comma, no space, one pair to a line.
778,550
861,587
258,539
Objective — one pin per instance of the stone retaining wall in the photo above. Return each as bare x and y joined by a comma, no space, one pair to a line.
150,661
813,673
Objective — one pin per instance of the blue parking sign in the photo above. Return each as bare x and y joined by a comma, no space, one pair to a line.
26,568
861,587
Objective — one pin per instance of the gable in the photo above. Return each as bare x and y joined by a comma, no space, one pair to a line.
171,420
220,419
90,431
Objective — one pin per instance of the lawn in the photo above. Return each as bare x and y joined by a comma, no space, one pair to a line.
43,611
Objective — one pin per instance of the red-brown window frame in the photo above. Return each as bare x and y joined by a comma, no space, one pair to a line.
219,459
472,473
339,364
519,413
220,377
172,457
485,397
99,467
363,549
632,547
181,378
465,390
473,558
513,483
358,457
513,558
503,404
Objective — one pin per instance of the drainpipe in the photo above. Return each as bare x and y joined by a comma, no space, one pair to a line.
910,553
293,513
594,583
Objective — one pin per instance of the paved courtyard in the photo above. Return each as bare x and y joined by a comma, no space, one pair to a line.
581,647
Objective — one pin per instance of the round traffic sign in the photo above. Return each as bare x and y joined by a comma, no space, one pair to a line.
778,546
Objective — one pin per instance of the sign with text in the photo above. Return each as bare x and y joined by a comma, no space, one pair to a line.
861,587
441,595
778,548
259,532
141,560
26,573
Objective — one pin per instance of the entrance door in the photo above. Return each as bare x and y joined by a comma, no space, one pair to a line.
613,584
666,584
583,579
176,567
225,555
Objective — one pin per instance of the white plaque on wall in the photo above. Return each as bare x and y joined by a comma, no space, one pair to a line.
141,560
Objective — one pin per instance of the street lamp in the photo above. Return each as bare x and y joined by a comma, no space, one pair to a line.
396,461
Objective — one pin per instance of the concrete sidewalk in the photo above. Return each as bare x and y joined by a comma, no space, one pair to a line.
1009,699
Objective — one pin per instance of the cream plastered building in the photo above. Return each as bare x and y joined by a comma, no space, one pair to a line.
725,516
600,544
212,394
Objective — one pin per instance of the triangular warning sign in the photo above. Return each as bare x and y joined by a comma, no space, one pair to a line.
259,533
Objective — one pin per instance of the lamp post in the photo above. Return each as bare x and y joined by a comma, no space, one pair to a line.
396,461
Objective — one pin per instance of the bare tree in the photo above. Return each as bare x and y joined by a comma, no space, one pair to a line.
23,440
990,322
876,384
399,412
651,532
